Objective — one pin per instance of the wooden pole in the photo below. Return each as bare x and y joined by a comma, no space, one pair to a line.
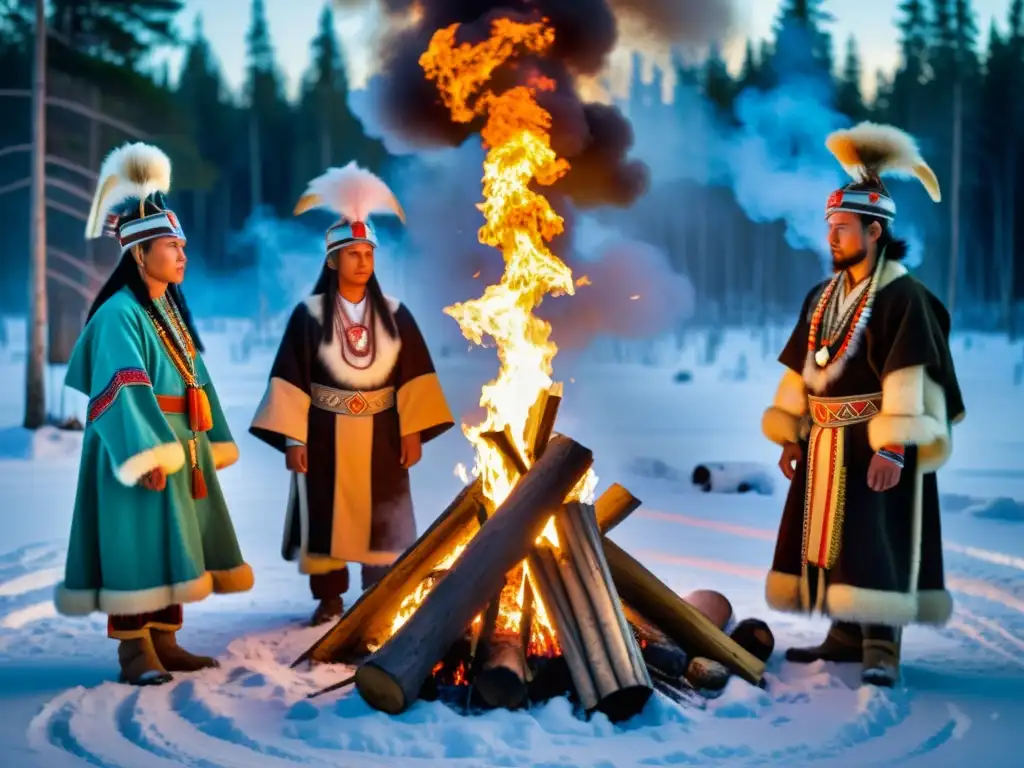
500,662
391,678
599,648
685,625
377,605
35,370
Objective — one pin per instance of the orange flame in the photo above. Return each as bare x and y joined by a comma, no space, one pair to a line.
519,223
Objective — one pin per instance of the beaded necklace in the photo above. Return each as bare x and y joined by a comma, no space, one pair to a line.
826,351
181,349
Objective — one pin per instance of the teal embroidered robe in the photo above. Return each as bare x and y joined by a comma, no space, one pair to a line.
134,550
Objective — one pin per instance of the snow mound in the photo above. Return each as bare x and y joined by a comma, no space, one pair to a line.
254,710
46,443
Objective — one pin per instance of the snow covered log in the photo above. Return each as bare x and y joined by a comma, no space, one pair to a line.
391,678
732,477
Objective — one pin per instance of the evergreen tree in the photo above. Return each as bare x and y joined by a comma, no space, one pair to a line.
750,70
268,131
719,87
801,44
849,100
118,31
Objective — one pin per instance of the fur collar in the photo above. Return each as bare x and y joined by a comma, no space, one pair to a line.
818,379
363,379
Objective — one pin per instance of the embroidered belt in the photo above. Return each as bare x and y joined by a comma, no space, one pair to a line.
833,412
348,403
172,403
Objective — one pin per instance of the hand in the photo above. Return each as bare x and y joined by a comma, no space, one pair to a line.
412,450
792,454
295,458
882,473
154,480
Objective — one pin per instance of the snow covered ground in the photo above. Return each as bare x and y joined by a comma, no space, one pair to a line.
961,702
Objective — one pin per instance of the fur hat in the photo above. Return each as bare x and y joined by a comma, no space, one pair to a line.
867,151
354,193
129,201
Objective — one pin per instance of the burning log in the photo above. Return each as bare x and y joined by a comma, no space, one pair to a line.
684,624
542,419
576,587
381,602
500,677
391,678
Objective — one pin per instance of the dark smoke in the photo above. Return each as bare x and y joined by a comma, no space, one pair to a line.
596,139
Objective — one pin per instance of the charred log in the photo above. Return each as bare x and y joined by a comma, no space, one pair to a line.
391,678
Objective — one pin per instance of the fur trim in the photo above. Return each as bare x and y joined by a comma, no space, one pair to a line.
934,606
818,379
871,150
345,375
237,579
913,413
780,427
781,422
870,606
782,592
75,602
224,454
81,602
170,457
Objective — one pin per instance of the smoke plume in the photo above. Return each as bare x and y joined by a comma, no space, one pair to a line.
403,107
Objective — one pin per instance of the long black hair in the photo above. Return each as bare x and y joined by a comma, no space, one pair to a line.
327,286
894,248
126,273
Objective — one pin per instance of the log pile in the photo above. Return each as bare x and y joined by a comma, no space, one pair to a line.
438,624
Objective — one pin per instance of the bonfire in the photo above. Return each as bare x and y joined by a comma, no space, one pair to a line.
513,592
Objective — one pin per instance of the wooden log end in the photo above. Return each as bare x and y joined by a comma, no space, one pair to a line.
625,703
501,688
380,690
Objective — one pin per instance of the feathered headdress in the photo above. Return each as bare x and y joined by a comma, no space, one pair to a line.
868,151
353,193
130,172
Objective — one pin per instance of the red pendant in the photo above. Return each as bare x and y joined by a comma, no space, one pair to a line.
358,339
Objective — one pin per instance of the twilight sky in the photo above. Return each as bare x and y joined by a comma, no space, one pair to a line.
293,25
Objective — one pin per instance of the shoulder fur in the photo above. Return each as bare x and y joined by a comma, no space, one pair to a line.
346,376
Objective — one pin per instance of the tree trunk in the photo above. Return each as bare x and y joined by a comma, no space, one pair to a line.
954,201
35,370
390,680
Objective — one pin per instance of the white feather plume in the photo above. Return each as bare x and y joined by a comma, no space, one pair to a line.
352,192
130,171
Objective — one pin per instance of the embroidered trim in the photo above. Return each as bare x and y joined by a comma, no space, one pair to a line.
126,377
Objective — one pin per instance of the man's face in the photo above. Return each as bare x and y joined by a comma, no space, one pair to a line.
164,260
847,239
355,263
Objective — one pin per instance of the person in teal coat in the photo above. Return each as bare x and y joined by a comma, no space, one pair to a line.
151,530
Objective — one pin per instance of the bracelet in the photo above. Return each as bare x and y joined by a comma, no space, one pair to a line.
895,458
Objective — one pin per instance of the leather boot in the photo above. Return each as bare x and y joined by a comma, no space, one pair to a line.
881,664
842,644
139,663
330,608
175,658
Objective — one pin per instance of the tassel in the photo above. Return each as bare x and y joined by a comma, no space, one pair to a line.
200,417
198,483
